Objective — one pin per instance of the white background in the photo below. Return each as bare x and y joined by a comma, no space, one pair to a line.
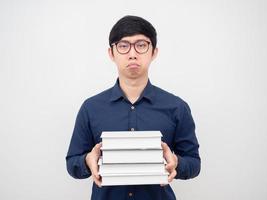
53,55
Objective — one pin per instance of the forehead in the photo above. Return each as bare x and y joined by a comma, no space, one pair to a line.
134,38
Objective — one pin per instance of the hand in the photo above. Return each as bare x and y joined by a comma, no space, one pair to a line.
172,161
92,160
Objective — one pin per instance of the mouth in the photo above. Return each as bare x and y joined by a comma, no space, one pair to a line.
133,66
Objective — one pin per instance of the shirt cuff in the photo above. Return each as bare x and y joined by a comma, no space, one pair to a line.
84,168
181,168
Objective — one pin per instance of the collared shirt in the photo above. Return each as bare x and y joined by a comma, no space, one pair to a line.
155,109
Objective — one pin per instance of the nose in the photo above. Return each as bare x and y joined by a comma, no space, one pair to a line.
132,53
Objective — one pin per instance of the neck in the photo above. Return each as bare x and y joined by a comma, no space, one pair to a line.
133,88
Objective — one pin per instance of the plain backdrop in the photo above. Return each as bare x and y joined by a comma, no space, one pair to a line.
53,55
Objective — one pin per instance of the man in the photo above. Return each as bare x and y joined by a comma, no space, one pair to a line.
134,104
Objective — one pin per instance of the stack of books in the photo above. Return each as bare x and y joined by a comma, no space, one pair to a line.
132,158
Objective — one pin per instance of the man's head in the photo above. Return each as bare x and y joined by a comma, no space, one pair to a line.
132,25
133,43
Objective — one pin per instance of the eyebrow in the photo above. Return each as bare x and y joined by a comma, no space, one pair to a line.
133,41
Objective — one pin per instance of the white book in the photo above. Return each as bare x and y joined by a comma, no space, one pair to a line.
134,179
131,139
132,168
132,156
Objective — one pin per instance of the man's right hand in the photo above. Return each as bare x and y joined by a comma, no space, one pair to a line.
92,160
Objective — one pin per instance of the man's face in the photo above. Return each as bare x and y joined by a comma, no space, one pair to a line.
133,65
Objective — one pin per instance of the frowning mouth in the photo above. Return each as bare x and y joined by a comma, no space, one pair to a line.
133,65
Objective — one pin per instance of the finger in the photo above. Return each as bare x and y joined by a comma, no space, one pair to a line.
172,175
173,163
164,146
97,149
94,169
170,166
97,176
162,143
98,146
97,180
166,152
162,185
175,159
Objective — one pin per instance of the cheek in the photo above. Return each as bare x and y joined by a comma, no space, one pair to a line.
146,61
117,58
120,62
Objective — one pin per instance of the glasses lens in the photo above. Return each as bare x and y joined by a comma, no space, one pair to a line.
123,47
141,46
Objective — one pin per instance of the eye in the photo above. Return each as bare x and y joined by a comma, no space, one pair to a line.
141,45
123,45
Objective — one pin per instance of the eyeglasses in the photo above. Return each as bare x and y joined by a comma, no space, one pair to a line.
124,46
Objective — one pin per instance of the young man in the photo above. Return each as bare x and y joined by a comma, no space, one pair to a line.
134,104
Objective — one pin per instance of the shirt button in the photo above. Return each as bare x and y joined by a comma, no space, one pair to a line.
132,107
130,194
132,129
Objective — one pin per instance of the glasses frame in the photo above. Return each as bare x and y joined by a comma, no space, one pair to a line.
131,44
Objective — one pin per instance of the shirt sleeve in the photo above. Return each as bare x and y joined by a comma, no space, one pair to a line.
186,145
81,143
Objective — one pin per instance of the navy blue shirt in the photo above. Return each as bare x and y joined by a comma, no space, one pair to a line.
155,109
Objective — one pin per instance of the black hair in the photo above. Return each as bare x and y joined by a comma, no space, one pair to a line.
132,25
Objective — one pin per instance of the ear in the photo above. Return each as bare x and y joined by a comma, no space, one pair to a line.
155,53
110,53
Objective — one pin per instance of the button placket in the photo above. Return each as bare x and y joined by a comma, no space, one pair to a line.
132,118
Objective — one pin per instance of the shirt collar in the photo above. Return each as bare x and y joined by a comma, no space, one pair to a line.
148,93
116,92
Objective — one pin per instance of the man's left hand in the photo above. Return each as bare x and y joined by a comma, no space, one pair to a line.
172,161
